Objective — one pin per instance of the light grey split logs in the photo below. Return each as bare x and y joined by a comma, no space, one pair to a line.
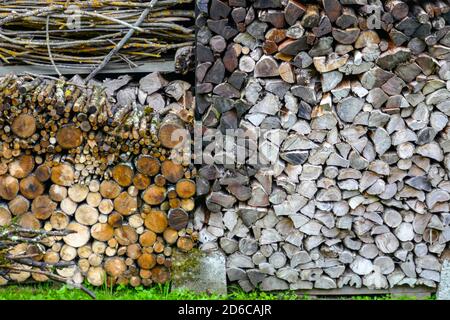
358,190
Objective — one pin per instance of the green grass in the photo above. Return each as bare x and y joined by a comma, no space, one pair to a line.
162,292
49,291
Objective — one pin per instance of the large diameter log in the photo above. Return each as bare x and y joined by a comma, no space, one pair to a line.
123,174
147,165
115,266
172,132
154,195
125,235
24,126
43,207
78,192
21,167
102,231
147,238
110,189
9,187
69,137
86,215
80,237
63,175
172,171
30,187
146,261
19,205
125,204
185,188
156,221
178,218
5,216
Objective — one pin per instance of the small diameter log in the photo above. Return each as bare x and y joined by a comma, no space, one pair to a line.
69,137
172,171
185,188
9,187
125,204
172,132
109,189
115,219
102,231
123,174
43,173
188,204
154,195
63,175
42,207
57,193
59,220
24,126
156,221
21,167
185,243
147,165
178,218
30,187
170,235
106,206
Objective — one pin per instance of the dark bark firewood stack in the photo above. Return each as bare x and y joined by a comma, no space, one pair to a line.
349,100
99,159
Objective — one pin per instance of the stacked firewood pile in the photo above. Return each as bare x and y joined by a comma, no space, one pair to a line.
98,160
82,33
356,91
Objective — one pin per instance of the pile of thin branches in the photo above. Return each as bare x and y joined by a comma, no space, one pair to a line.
21,255
84,33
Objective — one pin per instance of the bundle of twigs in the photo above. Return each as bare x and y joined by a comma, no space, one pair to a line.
22,251
84,33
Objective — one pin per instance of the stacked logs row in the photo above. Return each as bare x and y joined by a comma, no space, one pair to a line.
92,125
352,103
129,216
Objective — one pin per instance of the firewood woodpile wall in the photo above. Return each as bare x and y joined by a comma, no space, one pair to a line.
359,188
97,158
